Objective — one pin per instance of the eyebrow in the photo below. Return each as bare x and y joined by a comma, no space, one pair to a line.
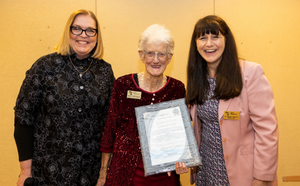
86,28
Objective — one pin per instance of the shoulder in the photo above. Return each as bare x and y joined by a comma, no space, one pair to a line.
103,63
176,87
251,70
126,79
49,60
45,62
249,67
123,83
50,57
253,74
175,82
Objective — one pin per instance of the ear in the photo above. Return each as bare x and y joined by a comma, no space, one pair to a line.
142,56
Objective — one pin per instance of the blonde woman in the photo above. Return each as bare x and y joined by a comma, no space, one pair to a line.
62,106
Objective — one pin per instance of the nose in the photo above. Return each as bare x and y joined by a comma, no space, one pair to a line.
156,57
83,34
209,42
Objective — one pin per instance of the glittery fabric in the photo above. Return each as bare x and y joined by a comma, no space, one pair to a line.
213,170
68,114
121,134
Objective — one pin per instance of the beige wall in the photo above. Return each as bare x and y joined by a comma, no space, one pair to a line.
267,32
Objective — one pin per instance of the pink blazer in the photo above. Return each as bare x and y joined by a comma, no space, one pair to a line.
250,144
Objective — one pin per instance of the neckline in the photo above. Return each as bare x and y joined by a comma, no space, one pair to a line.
80,62
168,80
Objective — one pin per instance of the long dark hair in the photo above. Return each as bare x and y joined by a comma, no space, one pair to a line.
228,75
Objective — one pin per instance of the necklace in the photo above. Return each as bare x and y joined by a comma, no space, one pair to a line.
81,73
147,88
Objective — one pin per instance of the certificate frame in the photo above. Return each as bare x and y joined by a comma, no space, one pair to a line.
188,149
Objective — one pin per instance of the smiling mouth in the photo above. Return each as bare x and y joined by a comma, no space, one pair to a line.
155,66
210,51
82,42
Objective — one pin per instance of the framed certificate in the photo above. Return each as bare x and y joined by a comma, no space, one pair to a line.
166,136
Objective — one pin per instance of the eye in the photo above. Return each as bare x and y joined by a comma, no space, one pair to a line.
202,38
150,53
161,54
90,30
76,28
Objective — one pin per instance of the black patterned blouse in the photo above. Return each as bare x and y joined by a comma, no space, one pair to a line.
67,114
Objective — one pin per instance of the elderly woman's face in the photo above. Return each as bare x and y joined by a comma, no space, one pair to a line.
82,44
156,59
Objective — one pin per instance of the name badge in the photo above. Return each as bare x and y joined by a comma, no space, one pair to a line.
134,94
231,115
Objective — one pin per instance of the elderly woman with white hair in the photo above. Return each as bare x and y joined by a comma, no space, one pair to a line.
122,162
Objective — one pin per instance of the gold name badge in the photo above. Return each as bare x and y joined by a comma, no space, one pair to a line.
231,115
134,94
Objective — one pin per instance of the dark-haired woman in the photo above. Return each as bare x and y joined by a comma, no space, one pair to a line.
232,108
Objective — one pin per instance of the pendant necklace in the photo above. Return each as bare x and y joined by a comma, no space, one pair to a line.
81,73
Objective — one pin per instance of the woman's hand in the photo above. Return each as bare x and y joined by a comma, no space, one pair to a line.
181,168
259,183
25,171
105,162
102,177
23,176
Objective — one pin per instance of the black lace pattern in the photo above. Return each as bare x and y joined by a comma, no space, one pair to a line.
68,114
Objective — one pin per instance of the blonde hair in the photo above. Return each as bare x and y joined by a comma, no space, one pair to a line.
156,34
63,47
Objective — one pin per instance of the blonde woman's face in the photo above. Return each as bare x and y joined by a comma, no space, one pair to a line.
82,44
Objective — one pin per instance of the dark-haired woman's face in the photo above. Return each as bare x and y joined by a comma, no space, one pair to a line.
211,48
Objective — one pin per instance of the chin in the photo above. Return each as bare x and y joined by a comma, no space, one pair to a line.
156,75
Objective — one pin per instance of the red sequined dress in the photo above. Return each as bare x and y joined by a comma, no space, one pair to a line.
121,138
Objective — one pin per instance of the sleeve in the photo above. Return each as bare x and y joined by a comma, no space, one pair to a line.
264,122
110,82
27,110
111,124
24,141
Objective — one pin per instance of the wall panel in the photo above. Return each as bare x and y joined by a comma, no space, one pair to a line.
267,32
122,22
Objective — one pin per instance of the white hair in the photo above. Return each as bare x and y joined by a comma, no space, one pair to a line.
156,34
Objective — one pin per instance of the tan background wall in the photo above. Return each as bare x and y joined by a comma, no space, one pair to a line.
266,32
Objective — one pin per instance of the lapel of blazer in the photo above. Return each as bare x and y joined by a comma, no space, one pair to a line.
234,102
223,106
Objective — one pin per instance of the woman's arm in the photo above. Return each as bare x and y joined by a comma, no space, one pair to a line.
25,171
24,140
264,122
105,162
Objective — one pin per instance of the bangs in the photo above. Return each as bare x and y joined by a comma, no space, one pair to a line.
208,27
